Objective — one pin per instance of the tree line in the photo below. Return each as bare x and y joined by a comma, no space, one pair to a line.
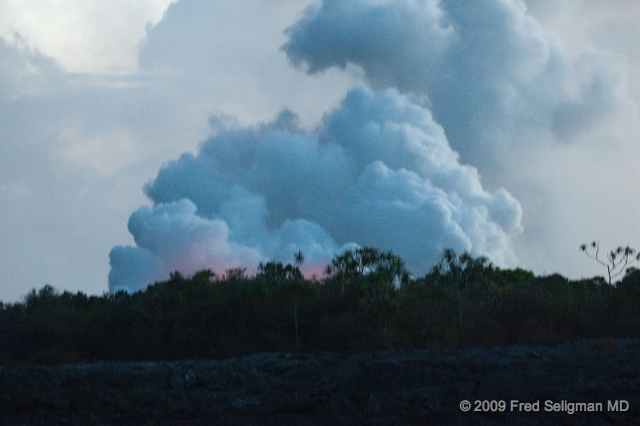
365,301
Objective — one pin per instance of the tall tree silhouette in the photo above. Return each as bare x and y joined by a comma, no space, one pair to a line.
617,259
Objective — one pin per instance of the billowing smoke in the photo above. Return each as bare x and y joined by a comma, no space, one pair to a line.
377,171
494,78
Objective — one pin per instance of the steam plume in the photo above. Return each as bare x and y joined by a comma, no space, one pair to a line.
377,171
495,79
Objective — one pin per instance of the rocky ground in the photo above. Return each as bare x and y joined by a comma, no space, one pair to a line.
417,387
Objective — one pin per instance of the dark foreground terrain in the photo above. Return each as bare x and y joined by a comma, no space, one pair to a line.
417,387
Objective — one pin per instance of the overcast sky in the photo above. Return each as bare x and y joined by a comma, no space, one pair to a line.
141,137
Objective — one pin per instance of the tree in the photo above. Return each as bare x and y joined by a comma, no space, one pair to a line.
279,273
236,274
299,258
367,265
289,282
461,270
617,259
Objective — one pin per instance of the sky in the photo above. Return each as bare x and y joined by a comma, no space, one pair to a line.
142,137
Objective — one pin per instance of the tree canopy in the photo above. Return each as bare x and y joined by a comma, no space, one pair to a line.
366,301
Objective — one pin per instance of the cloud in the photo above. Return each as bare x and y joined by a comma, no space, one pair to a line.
495,79
82,36
105,154
65,191
172,237
201,56
76,147
25,71
377,171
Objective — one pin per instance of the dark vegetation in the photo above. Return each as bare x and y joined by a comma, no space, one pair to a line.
366,301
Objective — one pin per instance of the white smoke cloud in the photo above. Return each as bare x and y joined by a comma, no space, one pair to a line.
377,171
494,77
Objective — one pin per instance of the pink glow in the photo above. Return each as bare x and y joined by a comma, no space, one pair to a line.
314,270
